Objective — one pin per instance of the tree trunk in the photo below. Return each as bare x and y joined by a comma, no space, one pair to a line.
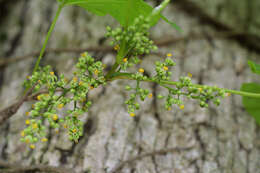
217,40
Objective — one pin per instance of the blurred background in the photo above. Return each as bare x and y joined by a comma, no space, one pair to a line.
218,38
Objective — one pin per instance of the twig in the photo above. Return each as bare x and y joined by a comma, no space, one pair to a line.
34,96
160,43
6,113
9,111
163,42
141,156
6,167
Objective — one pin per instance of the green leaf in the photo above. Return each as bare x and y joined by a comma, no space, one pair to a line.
252,105
124,11
255,68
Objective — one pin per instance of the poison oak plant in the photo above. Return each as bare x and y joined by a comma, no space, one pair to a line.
130,41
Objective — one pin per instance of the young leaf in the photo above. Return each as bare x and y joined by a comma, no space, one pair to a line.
252,105
255,68
124,11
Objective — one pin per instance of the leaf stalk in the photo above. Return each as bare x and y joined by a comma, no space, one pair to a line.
61,5
128,76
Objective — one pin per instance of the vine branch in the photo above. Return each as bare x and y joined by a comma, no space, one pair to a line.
128,76
141,156
108,49
6,167
11,110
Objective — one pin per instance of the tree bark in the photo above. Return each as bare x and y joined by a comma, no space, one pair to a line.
221,139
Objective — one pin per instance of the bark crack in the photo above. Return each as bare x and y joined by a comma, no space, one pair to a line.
155,105
248,40
14,43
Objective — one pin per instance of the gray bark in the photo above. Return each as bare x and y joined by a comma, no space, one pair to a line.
221,139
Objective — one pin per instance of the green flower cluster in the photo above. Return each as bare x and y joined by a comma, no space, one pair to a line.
44,76
184,87
138,37
74,126
162,69
174,94
34,127
132,102
89,75
129,63
207,93
135,36
133,39
60,93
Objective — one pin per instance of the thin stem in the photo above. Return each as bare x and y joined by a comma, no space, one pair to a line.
128,76
65,91
243,93
48,36
120,55
112,71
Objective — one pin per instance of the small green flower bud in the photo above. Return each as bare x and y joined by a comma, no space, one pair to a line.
128,88
160,96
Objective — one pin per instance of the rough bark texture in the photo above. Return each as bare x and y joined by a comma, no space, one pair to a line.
195,140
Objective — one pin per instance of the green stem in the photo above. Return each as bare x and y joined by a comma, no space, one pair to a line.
243,93
128,76
112,71
65,91
119,57
48,36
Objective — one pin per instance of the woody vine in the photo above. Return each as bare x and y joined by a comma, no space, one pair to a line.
130,41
